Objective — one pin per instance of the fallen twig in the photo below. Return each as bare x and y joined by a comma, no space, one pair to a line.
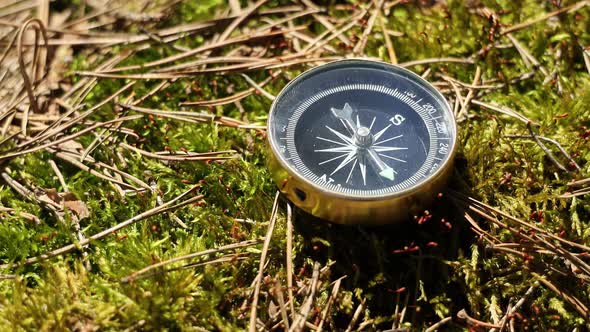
263,254
168,206
212,251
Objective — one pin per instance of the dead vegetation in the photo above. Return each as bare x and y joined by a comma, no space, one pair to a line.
134,193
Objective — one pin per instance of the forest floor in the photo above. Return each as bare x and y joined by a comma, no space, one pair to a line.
134,193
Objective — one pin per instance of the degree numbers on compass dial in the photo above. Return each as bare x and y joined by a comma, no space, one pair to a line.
362,129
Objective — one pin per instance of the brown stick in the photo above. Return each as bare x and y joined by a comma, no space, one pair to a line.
29,86
211,251
263,254
168,206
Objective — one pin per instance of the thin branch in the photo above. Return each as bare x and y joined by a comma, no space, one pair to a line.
544,148
232,246
263,254
289,258
572,8
301,320
554,142
180,156
168,206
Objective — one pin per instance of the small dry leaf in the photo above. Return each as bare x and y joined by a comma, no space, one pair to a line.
78,207
53,195
68,196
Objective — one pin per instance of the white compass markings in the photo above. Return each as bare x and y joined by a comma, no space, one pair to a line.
346,149
372,123
350,157
377,135
387,148
393,158
331,141
369,87
363,167
346,127
332,159
352,169
387,140
340,135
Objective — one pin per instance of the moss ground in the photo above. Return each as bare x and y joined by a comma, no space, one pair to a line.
409,276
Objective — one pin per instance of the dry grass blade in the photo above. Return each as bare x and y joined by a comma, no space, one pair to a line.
28,83
465,106
168,206
388,43
544,148
331,300
301,320
180,156
325,22
538,230
212,60
585,54
320,41
76,162
192,117
207,252
208,47
68,138
263,254
47,133
506,111
360,46
355,316
289,256
572,300
439,324
513,309
229,99
241,17
462,314
30,217
258,87
554,142
571,8
437,60
282,307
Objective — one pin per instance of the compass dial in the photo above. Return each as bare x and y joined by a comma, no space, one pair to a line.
361,129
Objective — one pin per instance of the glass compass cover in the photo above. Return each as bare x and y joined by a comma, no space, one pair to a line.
361,128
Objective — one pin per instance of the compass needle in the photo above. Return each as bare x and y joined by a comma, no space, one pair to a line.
388,173
356,141
381,167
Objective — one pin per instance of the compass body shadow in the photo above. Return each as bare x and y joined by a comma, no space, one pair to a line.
393,260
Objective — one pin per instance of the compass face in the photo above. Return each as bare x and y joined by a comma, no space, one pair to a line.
361,128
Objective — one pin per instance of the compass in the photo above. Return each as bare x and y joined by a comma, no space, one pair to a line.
360,142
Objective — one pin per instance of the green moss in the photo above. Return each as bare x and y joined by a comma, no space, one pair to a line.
451,271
